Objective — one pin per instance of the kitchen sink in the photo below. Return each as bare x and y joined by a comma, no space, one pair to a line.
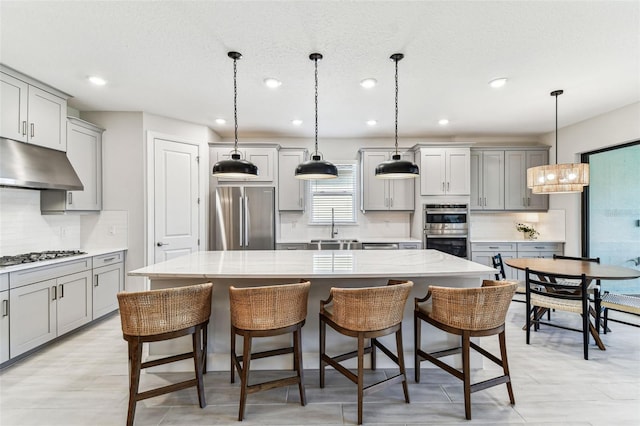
334,244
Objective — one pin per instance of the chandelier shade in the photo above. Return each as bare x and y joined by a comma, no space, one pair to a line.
235,167
317,167
396,168
558,178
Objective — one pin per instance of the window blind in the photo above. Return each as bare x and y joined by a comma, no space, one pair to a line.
337,194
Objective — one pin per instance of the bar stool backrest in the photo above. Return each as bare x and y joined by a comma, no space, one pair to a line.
370,308
148,313
268,307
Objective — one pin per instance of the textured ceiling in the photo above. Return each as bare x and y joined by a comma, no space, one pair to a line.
170,58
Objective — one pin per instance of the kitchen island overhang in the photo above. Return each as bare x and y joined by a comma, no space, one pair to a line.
325,269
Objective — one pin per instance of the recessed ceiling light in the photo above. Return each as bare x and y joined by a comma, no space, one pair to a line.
272,83
368,83
98,81
221,121
443,122
296,122
498,82
371,122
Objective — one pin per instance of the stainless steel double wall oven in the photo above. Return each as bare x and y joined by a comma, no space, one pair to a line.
446,228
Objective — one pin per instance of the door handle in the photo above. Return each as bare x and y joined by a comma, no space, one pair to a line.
246,221
160,244
241,221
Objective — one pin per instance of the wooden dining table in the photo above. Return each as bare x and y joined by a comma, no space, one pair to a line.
591,270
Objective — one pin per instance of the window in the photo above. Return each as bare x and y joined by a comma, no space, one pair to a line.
338,194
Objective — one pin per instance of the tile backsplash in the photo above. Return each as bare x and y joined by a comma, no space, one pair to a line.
24,229
502,226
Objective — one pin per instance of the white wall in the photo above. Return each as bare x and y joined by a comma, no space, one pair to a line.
613,128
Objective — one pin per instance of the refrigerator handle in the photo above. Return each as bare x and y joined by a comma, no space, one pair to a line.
241,210
246,221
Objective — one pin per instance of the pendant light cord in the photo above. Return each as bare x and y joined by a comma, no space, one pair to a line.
315,60
235,104
396,60
557,93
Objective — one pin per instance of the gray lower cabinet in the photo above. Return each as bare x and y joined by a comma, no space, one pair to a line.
42,303
44,310
108,280
483,252
4,317
291,246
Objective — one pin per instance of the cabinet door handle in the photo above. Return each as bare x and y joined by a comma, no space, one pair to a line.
528,201
300,202
448,186
495,248
70,197
33,129
442,186
61,290
5,308
108,259
24,128
391,204
54,292
484,203
97,281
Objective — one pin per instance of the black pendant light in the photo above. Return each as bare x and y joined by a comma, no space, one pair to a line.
316,168
396,168
235,167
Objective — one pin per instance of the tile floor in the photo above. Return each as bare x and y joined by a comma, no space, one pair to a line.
82,380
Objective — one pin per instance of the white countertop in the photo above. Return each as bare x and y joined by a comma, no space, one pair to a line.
362,240
512,240
314,264
89,253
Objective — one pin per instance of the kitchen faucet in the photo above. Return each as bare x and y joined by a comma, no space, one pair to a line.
334,231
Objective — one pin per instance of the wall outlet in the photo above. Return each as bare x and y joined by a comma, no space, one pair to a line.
112,230
63,231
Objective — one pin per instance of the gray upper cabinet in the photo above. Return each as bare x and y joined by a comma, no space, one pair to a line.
384,194
487,180
31,111
444,171
263,158
84,149
291,191
517,195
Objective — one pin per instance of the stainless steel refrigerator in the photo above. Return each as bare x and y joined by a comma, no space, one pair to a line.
243,218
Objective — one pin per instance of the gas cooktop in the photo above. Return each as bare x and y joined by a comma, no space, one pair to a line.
37,256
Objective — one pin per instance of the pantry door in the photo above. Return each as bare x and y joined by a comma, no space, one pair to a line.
176,198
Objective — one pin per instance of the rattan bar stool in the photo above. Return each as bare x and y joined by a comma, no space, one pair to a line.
467,312
365,313
262,312
156,315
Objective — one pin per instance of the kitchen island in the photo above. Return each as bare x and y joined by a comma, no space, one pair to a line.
325,269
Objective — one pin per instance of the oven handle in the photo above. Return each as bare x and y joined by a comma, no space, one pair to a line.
461,211
446,235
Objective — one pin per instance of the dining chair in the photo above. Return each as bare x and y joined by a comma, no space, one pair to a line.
621,303
267,311
593,287
498,264
466,312
365,313
554,291
157,315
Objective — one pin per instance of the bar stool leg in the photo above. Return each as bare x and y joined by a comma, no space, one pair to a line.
505,364
297,351
405,386
135,363
466,371
244,375
417,340
323,333
197,364
360,375
232,352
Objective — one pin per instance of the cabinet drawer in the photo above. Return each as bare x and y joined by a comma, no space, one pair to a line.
493,247
291,246
4,282
42,273
108,259
410,246
533,246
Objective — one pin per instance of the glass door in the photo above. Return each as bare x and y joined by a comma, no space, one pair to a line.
612,209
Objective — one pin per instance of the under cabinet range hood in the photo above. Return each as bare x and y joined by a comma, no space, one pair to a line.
24,165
